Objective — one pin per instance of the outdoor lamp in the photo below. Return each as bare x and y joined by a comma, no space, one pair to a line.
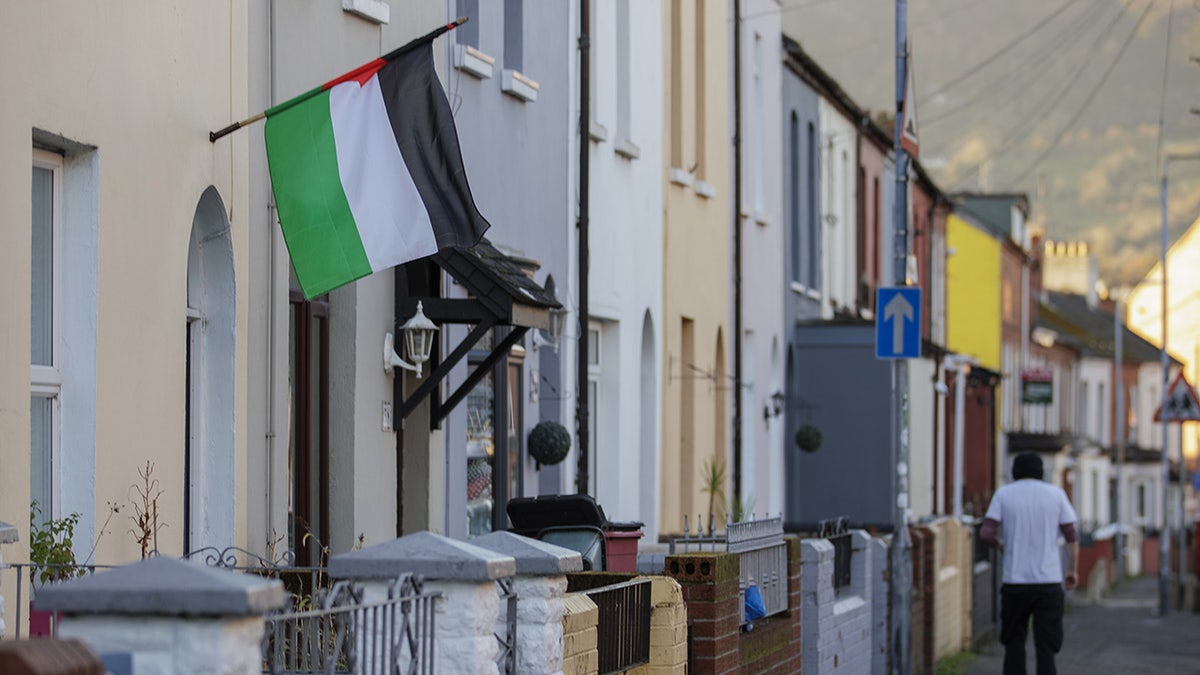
418,342
557,318
776,406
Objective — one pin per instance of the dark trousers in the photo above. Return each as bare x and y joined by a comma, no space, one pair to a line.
1020,602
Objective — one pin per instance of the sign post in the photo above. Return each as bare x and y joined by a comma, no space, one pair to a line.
895,308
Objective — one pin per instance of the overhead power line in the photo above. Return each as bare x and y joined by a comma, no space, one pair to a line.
1088,101
1003,86
1003,50
1046,104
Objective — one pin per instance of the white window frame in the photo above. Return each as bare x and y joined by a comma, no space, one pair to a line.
46,381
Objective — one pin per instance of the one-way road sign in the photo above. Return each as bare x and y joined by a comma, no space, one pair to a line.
898,323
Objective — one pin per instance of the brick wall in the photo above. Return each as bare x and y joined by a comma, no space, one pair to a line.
836,625
923,601
709,584
880,606
668,629
952,587
579,635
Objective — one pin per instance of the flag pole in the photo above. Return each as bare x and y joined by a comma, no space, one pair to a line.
428,37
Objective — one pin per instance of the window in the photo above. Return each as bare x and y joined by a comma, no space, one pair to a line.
514,47
624,73
814,220
760,178
468,33
676,75
698,105
1084,425
495,438
45,328
1141,503
794,194
308,442
594,365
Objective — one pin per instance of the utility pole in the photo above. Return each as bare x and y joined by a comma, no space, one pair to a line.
1119,364
1164,538
900,553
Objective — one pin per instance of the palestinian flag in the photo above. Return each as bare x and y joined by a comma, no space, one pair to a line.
368,173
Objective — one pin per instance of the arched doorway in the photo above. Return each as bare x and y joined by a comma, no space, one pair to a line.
208,474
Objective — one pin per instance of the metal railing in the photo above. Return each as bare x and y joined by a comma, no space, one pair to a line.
506,659
762,556
347,634
837,532
30,577
623,625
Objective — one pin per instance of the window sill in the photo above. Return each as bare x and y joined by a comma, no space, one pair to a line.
597,132
705,190
800,289
474,62
679,177
375,11
628,149
513,83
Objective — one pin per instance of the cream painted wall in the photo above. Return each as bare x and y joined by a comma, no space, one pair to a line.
294,47
143,84
696,249
1183,318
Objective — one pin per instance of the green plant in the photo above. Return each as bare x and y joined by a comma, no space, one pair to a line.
808,437
955,664
549,442
51,545
713,485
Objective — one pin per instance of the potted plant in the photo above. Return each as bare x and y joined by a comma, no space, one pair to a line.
549,442
808,437
51,558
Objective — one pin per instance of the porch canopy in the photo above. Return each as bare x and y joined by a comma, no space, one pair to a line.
502,294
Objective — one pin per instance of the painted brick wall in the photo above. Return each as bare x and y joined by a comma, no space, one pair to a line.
880,606
580,616
668,629
952,587
836,626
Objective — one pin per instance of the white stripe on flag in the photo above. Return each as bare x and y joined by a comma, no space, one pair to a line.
391,218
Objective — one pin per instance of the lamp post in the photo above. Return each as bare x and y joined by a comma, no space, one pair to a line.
1164,543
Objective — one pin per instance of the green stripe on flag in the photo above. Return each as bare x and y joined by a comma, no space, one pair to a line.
315,216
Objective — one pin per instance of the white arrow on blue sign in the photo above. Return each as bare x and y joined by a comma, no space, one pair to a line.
898,323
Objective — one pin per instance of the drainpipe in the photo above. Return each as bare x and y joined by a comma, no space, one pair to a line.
581,368
960,395
737,253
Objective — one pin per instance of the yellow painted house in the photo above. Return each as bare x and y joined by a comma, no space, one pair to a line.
696,257
973,292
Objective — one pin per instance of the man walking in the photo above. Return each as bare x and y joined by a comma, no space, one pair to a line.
1029,515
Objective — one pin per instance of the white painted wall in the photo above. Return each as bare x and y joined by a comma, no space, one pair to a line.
839,168
625,281
763,256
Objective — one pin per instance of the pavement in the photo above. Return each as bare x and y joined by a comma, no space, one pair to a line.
1118,634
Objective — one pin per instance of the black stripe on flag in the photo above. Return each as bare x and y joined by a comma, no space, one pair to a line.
424,129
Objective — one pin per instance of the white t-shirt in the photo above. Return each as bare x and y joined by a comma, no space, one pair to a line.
1029,512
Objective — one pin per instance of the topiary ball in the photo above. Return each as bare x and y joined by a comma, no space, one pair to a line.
808,437
549,442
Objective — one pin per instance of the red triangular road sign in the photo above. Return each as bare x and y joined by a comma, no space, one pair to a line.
909,131
1182,402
